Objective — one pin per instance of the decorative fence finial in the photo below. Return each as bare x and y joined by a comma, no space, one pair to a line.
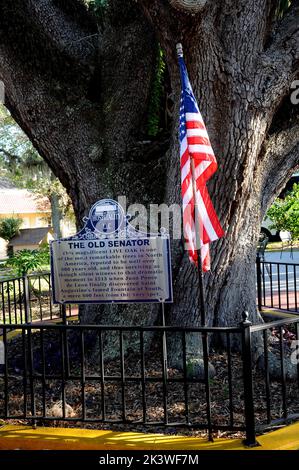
245,317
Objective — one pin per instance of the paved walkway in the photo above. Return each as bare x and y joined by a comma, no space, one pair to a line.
281,281
285,257
26,438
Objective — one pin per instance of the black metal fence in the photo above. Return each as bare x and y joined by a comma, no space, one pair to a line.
243,378
65,372
277,285
29,298
276,380
61,372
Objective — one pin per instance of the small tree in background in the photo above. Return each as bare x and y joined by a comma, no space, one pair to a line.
284,213
24,167
10,227
25,261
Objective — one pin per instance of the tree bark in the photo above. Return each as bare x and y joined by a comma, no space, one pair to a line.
81,93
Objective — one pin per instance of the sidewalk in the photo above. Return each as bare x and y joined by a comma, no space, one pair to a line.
284,257
280,282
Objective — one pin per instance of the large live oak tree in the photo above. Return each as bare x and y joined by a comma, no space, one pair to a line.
80,86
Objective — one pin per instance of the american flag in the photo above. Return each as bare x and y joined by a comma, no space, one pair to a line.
201,224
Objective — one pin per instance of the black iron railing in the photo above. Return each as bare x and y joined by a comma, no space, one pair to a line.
279,371
65,372
28,299
67,366
12,298
144,375
277,285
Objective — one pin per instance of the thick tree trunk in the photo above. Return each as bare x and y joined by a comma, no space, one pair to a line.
222,66
81,93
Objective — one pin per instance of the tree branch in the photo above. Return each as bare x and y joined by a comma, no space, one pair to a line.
280,62
68,110
51,28
77,40
10,156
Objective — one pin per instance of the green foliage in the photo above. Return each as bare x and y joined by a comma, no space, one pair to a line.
22,164
284,213
97,6
100,3
154,112
16,150
282,7
9,227
24,261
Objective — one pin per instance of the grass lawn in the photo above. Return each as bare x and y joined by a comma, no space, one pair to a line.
276,246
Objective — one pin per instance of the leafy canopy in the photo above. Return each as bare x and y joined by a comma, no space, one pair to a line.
284,213
22,164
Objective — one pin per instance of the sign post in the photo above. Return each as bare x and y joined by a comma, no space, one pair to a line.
109,261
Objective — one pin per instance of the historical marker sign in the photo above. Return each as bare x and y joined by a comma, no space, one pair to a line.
109,261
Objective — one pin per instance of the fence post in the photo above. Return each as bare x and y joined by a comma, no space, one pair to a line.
259,281
26,299
250,440
63,314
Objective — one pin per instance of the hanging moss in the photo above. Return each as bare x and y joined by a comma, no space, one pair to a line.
154,111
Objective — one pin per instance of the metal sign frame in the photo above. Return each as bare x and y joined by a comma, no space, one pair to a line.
107,221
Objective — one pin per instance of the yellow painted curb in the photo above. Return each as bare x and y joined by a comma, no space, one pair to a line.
27,438
277,313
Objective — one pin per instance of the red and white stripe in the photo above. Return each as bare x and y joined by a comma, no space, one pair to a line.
196,200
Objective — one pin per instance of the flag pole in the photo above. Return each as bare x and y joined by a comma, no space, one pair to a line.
202,308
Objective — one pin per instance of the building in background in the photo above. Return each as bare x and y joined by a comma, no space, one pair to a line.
23,204
35,213
30,239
